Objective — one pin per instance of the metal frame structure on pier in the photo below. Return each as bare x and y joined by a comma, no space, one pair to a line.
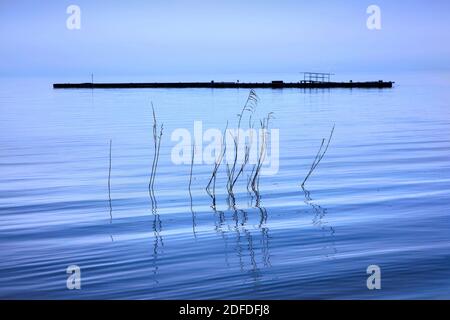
316,77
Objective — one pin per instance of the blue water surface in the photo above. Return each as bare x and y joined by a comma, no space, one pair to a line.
380,195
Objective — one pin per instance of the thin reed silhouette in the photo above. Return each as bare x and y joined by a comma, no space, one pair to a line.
192,167
109,180
318,157
254,181
190,192
157,145
217,163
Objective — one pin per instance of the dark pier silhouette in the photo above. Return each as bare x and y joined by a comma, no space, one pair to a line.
311,80
226,85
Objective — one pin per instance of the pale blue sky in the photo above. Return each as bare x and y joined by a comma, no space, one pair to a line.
170,36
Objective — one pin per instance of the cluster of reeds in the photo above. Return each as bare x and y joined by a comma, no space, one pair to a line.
249,106
235,170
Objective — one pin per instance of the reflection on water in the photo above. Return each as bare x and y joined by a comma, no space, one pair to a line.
318,220
78,186
158,243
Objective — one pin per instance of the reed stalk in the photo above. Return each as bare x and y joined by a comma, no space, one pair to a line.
319,156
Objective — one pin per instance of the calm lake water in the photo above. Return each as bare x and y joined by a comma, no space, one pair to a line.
380,196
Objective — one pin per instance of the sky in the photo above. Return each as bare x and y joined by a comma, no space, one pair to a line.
172,36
